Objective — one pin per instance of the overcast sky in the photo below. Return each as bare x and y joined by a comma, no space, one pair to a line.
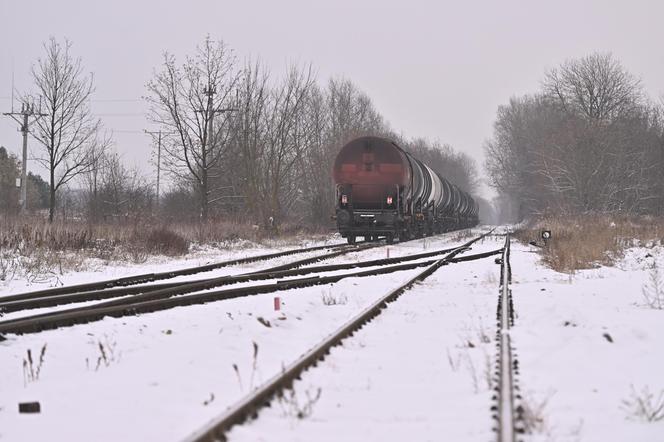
433,68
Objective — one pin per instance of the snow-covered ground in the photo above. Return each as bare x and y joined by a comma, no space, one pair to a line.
158,373
584,341
419,371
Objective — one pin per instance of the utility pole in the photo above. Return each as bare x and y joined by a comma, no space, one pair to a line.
158,133
210,113
23,119
210,91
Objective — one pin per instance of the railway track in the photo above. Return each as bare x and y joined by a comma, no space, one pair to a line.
157,301
152,277
132,285
507,410
46,298
251,404
172,289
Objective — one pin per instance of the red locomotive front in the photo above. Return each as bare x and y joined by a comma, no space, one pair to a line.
372,176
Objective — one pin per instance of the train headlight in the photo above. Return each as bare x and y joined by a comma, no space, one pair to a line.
546,234
389,200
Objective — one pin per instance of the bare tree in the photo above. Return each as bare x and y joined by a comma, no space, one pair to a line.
596,86
124,192
284,141
590,142
457,167
250,129
597,156
285,138
91,181
351,112
316,184
192,104
335,114
70,130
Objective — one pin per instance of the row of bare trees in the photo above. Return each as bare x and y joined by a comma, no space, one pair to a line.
242,139
236,140
589,142
112,192
246,142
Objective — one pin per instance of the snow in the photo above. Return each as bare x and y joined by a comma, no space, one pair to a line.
417,372
566,360
166,365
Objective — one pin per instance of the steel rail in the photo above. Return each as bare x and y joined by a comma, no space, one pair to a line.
249,406
32,324
39,300
172,289
150,277
209,284
508,415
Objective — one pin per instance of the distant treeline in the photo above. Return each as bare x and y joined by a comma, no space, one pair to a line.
10,173
237,142
590,141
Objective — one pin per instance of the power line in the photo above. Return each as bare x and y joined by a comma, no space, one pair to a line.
111,100
102,100
126,114
117,100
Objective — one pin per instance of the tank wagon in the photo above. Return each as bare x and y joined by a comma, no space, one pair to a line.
383,191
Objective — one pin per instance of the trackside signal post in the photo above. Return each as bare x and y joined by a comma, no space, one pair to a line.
23,119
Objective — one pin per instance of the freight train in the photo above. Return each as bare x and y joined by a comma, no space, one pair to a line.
383,191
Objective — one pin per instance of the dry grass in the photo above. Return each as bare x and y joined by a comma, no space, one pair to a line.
653,288
332,299
31,368
645,405
32,246
39,248
296,407
222,232
36,233
584,242
533,414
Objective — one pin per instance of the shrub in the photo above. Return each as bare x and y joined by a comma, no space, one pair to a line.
30,244
332,299
653,289
645,405
166,242
583,242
